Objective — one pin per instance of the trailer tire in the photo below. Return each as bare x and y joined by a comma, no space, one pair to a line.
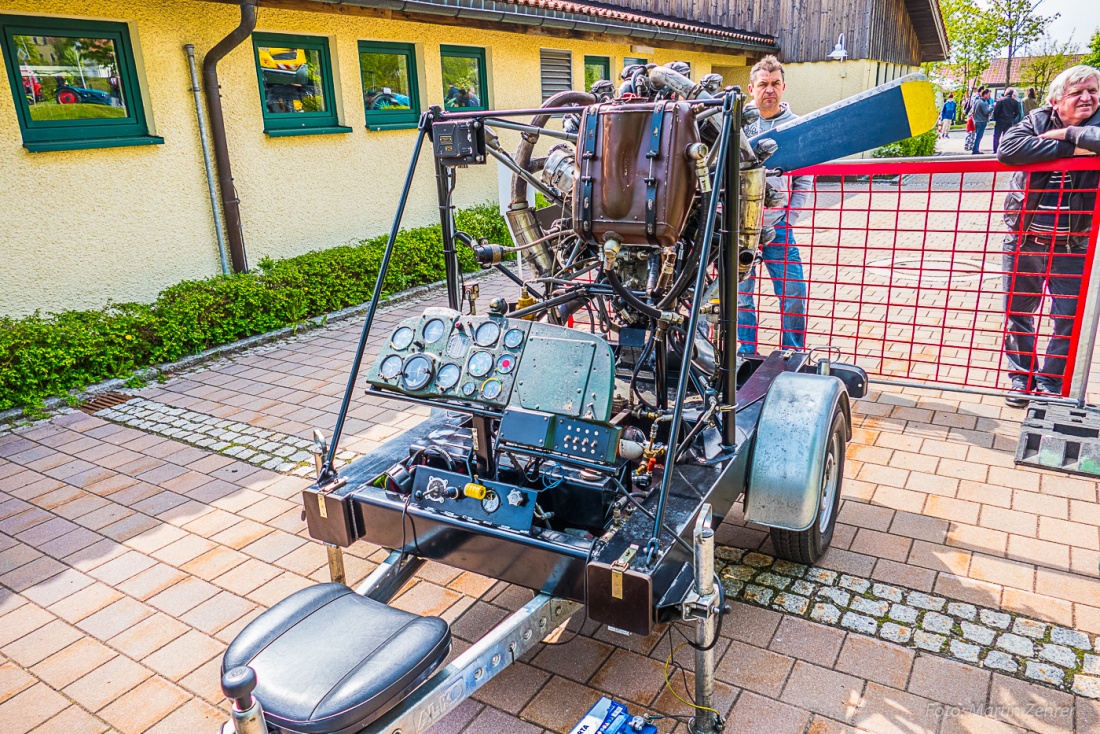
807,546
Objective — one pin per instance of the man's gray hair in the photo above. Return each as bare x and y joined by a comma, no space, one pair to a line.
1069,77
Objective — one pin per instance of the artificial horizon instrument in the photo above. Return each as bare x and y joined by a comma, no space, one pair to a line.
585,464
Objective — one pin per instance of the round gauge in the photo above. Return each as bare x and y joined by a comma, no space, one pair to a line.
513,338
491,502
469,389
487,334
506,363
390,367
433,331
402,338
448,376
480,364
458,346
491,389
417,372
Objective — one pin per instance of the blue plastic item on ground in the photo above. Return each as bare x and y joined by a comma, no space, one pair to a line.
611,717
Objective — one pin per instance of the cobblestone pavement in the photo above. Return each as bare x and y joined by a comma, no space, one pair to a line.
129,559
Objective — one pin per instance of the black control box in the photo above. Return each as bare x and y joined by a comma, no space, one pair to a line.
459,142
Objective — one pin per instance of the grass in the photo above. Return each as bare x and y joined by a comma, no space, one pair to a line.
55,111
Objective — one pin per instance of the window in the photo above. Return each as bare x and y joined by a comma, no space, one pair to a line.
556,71
464,83
632,61
391,95
74,83
595,69
296,90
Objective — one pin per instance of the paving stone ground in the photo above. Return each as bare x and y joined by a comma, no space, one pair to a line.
960,595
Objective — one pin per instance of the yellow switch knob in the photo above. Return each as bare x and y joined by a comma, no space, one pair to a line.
475,491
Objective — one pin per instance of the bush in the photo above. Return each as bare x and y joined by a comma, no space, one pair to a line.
51,355
919,146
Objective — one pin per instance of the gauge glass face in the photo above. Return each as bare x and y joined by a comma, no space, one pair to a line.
491,503
487,334
491,389
433,331
448,376
506,363
390,367
417,372
480,364
458,346
513,338
469,389
402,338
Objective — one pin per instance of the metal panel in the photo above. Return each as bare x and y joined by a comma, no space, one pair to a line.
556,71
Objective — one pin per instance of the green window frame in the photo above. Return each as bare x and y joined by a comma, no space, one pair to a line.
633,60
392,119
467,52
85,133
592,63
283,124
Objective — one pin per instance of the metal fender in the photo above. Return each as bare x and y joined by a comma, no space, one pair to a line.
788,454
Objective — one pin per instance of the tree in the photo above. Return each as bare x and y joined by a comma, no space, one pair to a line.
1018,25
973,38
1049,58
1092,58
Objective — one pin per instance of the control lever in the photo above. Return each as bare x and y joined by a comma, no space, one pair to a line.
247,714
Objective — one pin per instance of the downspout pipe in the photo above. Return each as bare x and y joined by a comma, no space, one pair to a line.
215,207
212,88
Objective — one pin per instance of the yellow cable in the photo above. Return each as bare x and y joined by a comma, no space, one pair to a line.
673,691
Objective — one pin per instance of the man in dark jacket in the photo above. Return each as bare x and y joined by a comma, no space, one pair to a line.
1048,238
1006,113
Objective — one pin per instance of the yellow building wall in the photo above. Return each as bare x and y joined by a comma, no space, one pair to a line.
79,228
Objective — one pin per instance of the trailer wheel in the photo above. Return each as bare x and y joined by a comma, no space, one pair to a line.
807,546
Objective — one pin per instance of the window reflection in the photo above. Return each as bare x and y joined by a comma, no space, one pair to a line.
385,80
291,79
461,82
70,78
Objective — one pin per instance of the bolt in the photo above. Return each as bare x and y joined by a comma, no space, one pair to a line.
478,673
496,659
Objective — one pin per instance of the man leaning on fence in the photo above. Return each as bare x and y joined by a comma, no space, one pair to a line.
1049,231
781,256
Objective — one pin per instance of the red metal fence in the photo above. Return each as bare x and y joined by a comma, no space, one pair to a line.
904,271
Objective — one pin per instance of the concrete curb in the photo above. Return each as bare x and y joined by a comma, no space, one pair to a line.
191,361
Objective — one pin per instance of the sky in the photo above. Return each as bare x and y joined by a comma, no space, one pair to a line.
1079,19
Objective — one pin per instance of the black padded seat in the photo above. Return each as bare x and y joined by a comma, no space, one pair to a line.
329,661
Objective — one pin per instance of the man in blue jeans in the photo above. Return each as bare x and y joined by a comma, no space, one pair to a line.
781,257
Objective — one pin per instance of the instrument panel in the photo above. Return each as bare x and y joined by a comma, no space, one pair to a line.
497,361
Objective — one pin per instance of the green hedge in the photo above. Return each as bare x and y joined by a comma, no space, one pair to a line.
54,354
919,146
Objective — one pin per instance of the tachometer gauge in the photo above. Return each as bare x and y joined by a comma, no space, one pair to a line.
417,372
513,338
506,363
491,389
458,346
469,389
433,331
491,502
487,334
448,376
390,367
480,364
402,338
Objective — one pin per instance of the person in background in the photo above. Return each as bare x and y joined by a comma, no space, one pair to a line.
982,111
781,257
1030,102
1006,113
1048,229
947,115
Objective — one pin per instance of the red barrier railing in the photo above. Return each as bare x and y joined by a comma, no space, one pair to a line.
904,270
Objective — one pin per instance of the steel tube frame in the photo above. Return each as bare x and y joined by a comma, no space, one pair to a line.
692,324
727,285
706,626
327,472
